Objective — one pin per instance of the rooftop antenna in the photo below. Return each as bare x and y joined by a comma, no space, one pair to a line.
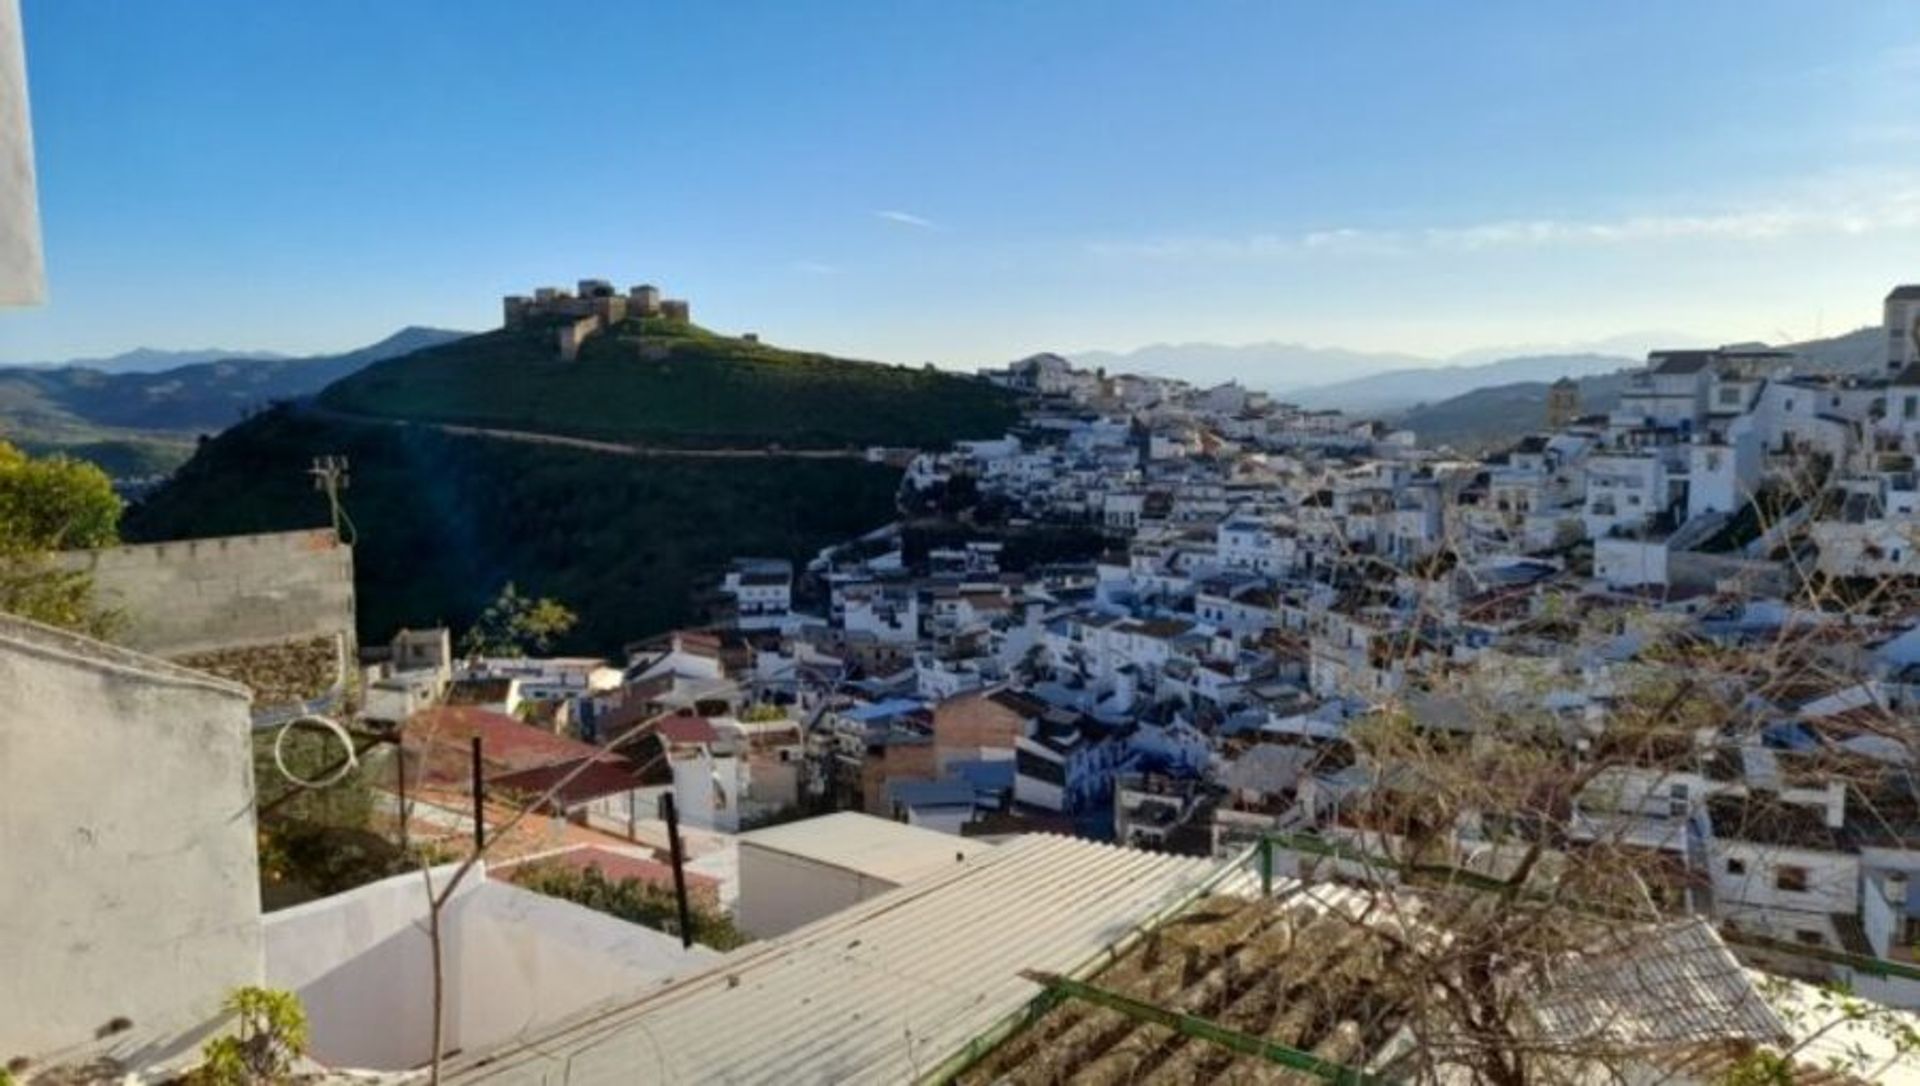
330,478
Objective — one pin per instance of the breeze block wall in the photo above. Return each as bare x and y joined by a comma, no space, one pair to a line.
198,595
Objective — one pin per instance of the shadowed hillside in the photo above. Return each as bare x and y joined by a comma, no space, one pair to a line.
442,521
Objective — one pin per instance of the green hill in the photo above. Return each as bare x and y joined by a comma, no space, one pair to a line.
655,382
442,521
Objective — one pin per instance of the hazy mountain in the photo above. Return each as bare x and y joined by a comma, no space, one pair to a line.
1634,345
1486,418
147,360
1863,350
1273,366
1397,389
1499,413
117,418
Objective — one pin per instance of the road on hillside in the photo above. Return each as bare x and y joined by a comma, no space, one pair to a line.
612,448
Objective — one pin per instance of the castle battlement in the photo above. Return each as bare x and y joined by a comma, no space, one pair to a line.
592,307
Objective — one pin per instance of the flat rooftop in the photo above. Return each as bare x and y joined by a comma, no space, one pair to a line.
876,847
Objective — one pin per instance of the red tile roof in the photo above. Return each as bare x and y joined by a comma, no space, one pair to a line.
687,729
507,744
610,776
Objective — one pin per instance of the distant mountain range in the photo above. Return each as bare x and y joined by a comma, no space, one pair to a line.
1499,413
136,421
1275,367
147,360
1469,400
1378,380
1400,389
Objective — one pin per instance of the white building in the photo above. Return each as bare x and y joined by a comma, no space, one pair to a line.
794,874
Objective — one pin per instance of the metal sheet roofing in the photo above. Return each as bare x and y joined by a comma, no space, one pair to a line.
882,992
1672,985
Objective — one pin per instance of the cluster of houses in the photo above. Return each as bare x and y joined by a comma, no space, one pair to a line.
1268,578
1256,580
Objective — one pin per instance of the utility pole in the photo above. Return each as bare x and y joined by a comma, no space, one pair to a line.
479,802
668,808
330,478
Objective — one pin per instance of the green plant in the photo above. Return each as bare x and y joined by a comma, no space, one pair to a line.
271,1032
630,900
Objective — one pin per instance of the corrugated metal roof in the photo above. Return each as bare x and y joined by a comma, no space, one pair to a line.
878,847
882,992
1676,984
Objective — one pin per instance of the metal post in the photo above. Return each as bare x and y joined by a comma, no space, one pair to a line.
479,802
1266,866
400,760
679,868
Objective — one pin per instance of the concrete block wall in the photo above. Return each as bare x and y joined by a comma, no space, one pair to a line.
198,595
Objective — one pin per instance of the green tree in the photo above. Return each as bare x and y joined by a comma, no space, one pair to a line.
52,504
514,625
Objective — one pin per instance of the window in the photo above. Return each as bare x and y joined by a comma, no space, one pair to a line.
1730,394
1789,405
1790,877
1909,406
1807,937
1736,866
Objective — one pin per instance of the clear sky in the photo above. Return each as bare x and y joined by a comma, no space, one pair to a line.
969,182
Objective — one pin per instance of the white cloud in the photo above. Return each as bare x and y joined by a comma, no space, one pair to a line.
1858,209
907,218
815,267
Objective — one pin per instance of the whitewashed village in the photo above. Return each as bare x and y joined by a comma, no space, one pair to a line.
1132,656
1448,616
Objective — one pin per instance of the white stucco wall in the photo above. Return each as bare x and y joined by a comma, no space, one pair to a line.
128,883
780,891
21,279
360,963
516,961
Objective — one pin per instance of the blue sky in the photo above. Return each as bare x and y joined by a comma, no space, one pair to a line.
965,183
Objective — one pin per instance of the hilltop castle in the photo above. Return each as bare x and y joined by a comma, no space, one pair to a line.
596,305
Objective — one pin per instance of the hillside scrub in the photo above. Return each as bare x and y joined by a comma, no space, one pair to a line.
658,383
444,520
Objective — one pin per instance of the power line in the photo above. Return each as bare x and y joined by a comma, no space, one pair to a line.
330,478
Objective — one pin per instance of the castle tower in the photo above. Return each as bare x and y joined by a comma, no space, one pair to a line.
1903,327
1563,403
644,300
514,309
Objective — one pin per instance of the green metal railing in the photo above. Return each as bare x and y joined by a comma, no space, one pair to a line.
1205,1029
